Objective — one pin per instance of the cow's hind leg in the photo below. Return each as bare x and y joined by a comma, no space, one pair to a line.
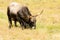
10,22
9,17
15,22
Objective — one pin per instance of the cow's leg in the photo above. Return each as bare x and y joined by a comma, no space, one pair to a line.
9,17
15,22
10,22
20,21
23,24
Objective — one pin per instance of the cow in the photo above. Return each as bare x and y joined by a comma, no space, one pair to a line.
20,13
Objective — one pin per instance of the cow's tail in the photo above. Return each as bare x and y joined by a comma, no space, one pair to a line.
8,11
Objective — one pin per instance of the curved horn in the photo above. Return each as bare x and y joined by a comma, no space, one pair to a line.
39,14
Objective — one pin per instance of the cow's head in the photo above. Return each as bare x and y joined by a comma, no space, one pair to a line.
33,20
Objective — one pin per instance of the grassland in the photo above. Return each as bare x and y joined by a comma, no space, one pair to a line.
47,25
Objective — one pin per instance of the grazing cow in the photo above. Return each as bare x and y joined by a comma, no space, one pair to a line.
27,18
21,14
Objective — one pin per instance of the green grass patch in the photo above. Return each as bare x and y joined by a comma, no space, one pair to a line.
53,28
2,16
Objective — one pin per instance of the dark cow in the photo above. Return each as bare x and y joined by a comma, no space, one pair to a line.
26,16
21,14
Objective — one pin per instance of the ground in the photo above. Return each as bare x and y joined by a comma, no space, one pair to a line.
47,25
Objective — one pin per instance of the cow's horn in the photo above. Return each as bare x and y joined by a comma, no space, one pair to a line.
39,14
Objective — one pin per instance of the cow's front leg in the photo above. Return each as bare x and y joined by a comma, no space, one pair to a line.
20,21
23,24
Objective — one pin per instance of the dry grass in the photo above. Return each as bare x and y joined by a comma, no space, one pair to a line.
48,23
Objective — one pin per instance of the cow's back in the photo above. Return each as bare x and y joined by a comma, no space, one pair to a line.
14,7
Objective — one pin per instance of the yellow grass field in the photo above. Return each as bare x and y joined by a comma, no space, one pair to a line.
47,25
